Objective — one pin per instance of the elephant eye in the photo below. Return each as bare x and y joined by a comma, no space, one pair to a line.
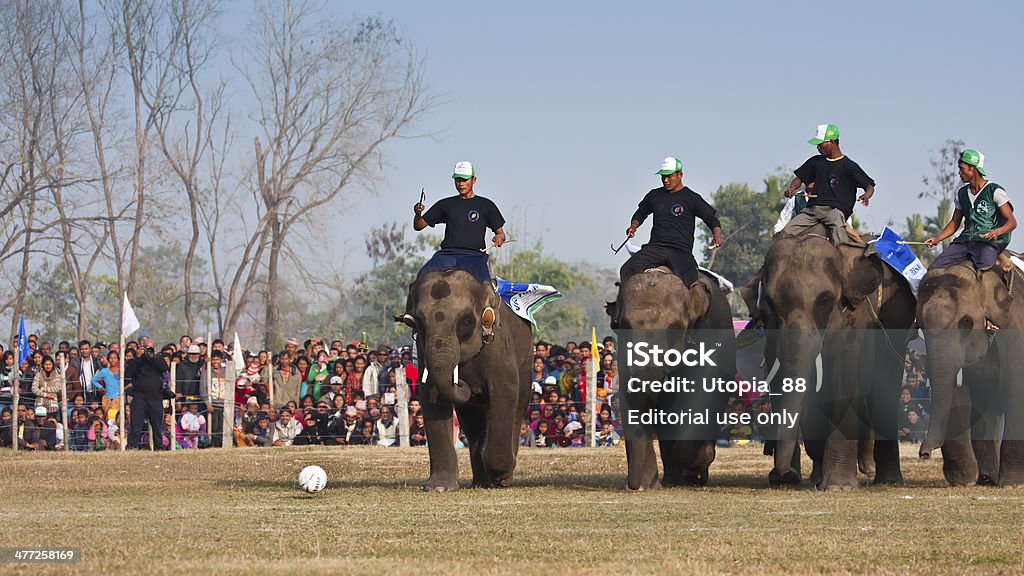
823,309
465,328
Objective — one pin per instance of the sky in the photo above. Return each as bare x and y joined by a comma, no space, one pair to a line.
567,108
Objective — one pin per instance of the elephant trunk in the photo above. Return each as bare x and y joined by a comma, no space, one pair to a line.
798,353
441,368
945,359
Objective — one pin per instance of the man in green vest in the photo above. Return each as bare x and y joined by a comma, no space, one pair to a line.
986,213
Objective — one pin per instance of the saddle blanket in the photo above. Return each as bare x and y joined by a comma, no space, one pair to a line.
525,299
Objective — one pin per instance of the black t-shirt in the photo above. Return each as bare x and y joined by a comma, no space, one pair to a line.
465,220
675,215
835,181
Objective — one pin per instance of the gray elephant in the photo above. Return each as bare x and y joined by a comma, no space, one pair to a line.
475,355
955,304
657,307
837,321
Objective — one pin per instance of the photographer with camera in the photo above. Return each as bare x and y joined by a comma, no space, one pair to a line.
146,374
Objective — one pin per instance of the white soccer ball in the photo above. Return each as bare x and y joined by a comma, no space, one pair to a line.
312,479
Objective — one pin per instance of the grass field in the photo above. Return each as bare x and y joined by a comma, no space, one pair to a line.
238,511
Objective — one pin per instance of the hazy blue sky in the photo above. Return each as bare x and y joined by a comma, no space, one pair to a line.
567,108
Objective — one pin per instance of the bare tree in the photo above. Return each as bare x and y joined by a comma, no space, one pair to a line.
329,97
187,117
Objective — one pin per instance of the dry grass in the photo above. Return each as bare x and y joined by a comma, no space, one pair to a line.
212,512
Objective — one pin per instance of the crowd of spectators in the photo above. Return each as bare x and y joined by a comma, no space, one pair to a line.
324,394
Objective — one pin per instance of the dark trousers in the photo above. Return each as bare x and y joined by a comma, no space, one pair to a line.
472,261
982,254
681,263
143,410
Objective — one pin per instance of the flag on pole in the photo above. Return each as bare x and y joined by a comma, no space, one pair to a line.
23,350
236,355
900,257
129,321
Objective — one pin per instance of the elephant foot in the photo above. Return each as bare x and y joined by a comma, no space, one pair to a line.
696,477
789,478
832,484
888,479
866,466
1011,479
654,485
440,485
986,480
817,474
960,477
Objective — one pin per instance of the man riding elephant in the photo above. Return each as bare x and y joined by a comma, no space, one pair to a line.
675,208
836,179
985,210
466,217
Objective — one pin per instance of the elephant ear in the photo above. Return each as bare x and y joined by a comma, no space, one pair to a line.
700,302
996,297
862,273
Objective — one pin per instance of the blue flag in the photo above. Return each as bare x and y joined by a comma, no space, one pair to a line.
23,351
900,257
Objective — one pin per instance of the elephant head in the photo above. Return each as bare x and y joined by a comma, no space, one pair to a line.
952,309
454,316
660,301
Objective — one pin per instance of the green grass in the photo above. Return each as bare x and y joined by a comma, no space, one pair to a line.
238,511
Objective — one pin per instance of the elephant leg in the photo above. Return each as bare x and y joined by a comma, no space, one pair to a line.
473,422
700,455
959,465
444,465
816,452
840,468
502,434
843,404
672,461
1011,463
784,474
887,462
641,462
866,455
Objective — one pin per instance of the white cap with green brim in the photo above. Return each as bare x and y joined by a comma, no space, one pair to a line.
825,133
463,170
974,158
670,165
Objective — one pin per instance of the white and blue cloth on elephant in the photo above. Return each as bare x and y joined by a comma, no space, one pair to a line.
525,299
472,261
901,258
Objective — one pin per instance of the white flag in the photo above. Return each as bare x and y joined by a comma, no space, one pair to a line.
129,322
237,357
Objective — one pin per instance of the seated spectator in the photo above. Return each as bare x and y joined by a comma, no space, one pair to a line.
574,435
418,432
6,420
263,432
193,425
78,438
286,429
310,435
542,438
526,436
387,428
41,434
607,435
96,436
367,435
414,408
908,402
913,428
347,428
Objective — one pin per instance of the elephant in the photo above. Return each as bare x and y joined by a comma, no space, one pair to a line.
955,304
837,322
657,307
475,354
